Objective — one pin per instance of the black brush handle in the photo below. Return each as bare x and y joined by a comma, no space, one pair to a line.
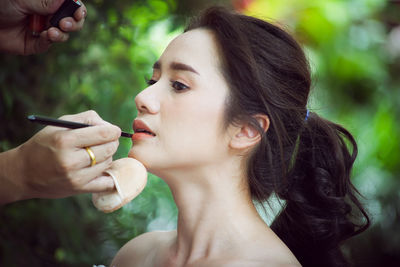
67,9
62,123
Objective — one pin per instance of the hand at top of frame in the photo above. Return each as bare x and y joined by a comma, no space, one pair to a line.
15,35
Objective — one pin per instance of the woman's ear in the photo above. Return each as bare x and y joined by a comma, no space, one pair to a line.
246,135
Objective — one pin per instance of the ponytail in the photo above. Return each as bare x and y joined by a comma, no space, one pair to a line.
319,197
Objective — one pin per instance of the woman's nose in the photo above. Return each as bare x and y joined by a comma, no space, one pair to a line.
146,102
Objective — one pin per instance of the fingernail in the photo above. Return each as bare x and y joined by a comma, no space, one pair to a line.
84,13
56,34
67,24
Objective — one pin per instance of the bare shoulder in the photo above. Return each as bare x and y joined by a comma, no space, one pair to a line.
142,250
254,255
247,263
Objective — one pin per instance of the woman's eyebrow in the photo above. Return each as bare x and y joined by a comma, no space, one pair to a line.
176,66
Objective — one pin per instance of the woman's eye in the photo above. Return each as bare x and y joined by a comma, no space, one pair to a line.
150,81
178,86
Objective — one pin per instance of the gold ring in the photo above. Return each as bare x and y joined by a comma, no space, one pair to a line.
91,155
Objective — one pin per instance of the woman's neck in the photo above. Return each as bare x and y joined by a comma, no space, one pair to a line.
215,213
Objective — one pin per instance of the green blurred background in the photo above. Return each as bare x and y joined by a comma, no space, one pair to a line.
354,51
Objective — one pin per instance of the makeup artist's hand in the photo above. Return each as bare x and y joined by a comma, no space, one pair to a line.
15,36
55,164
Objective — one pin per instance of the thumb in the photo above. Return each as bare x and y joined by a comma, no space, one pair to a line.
42,7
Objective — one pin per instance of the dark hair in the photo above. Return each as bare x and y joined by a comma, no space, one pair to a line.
306,162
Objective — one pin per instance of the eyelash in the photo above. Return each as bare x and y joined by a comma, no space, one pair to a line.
150,81
178,86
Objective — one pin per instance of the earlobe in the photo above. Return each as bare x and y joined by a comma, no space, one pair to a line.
247,136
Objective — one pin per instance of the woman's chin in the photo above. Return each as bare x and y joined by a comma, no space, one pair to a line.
135,155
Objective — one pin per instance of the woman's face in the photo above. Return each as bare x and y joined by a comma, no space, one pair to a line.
183,108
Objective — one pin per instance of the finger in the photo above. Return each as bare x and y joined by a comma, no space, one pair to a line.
70,25
99,184
35,45
80,13
57,36
101,153
94,135
74,23
89,117
85,175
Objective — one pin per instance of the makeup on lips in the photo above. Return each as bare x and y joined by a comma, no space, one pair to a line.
142,131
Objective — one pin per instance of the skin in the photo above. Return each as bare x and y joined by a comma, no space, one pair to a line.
15,36
203,163
54,163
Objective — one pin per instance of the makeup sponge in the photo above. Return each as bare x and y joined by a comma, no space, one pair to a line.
130,178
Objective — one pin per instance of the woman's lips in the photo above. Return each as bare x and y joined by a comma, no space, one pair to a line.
142,131
140,136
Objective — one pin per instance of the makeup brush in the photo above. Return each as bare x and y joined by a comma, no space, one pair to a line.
62,123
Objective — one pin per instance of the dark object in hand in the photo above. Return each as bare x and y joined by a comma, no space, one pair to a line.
67,9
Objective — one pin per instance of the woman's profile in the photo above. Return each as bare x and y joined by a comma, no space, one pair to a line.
224,122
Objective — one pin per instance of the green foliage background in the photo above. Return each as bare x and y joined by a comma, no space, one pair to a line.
354,50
